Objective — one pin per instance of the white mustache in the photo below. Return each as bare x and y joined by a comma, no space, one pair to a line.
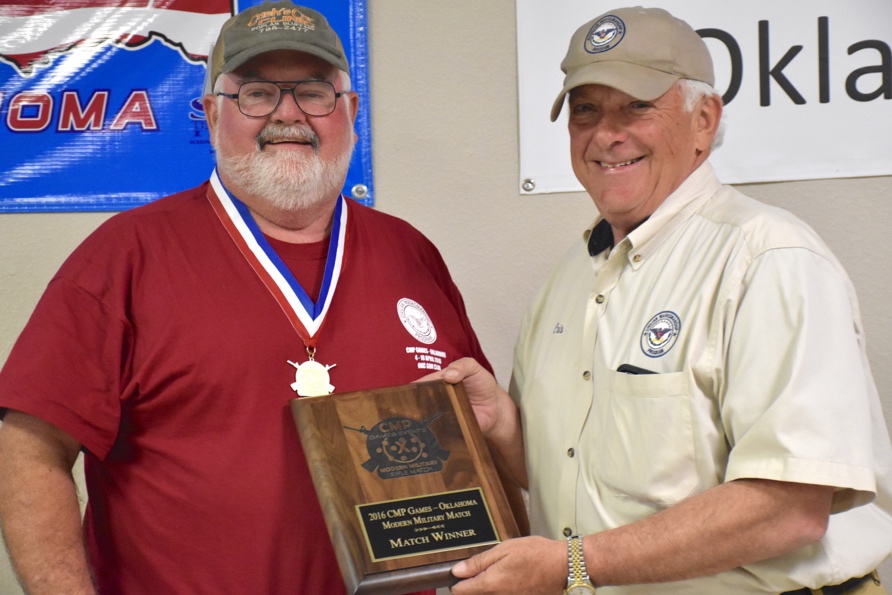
295,133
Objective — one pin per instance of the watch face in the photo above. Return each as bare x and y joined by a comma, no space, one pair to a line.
580,590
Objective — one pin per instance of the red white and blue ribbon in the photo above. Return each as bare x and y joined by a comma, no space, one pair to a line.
305,316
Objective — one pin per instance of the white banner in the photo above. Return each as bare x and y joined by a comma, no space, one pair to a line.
807,87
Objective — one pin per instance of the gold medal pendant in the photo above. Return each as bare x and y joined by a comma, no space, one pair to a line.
311,378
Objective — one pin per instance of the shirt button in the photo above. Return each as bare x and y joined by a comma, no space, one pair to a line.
568,531
636,258
586,375
571,453
600,299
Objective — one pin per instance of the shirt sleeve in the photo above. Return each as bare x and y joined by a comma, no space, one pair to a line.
798,391
67,366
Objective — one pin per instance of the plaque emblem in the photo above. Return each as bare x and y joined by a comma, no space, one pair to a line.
401,446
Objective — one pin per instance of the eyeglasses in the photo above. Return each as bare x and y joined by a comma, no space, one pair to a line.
261,98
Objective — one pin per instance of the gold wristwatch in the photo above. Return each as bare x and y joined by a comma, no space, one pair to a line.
578,582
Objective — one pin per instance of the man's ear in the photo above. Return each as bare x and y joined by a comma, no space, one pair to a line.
353,98
708,114
209,103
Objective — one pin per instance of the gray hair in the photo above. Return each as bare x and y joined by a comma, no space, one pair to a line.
693,91
346,83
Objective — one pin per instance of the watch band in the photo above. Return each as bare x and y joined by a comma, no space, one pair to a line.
578,581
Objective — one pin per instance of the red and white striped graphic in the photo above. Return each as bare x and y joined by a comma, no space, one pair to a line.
35,32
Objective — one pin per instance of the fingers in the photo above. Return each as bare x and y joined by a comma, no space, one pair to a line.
461,369
438,375
455,372
472,566
522,566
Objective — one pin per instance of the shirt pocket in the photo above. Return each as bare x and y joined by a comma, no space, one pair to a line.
648,453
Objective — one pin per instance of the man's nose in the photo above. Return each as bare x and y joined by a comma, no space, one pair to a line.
288,110
610,129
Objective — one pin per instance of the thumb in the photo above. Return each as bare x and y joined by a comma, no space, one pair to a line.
474,565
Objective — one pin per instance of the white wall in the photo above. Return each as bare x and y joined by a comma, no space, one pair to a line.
444,124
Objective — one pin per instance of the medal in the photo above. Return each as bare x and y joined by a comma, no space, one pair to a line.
311,378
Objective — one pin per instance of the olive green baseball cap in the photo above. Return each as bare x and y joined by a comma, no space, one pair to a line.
640,51
275,26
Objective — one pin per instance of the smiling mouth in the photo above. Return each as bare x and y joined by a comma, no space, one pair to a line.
286,141
606,165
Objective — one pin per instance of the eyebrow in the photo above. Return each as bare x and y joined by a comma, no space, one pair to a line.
253,75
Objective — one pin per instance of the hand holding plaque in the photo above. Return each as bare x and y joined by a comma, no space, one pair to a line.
406,483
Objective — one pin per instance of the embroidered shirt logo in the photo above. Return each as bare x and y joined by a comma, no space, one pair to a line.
660,333
416,321
605,35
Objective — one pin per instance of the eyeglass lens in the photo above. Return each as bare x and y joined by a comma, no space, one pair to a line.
260,98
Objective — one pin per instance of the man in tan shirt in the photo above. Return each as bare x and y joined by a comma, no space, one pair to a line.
691,408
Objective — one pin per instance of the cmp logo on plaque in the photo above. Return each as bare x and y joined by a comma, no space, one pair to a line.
400,446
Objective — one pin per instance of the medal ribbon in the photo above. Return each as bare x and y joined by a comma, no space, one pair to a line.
305,316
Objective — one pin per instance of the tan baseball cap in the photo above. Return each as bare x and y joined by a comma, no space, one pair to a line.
275,26
640,51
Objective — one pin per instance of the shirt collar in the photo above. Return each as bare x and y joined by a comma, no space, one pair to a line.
696,189
600,238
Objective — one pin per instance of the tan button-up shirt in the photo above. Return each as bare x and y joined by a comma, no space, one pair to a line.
752,331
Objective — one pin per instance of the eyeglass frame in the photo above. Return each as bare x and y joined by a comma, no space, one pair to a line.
282,91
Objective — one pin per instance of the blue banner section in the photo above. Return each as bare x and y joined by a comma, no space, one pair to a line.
100,105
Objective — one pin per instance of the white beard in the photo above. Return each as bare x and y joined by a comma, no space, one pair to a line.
288,180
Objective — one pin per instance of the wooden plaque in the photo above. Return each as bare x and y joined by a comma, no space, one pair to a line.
406,483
